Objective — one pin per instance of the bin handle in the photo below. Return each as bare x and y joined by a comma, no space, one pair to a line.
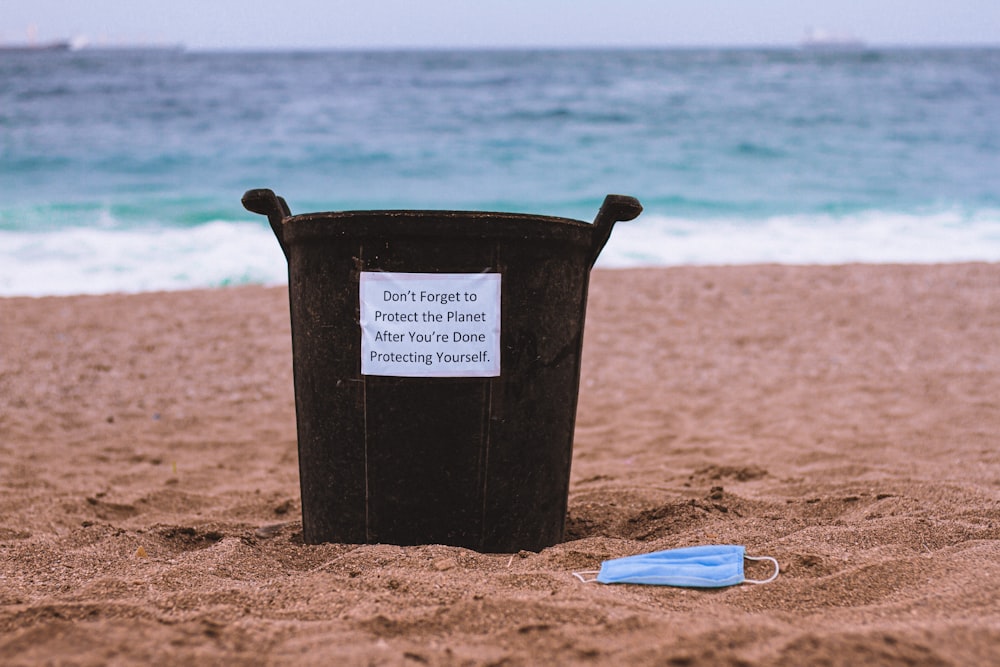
616,208
267,203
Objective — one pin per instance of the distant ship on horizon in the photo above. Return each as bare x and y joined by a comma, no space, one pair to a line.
60,45
819,39
81,42
33,45
84,45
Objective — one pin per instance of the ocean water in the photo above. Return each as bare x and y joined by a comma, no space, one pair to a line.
123,170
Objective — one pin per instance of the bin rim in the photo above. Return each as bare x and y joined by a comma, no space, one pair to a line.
395,213
433,223
401,223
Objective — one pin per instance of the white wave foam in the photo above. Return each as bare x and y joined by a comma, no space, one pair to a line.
103,260
870,237
98,261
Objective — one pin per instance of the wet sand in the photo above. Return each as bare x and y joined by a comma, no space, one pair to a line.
845,420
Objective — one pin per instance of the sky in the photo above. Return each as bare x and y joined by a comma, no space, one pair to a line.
318,24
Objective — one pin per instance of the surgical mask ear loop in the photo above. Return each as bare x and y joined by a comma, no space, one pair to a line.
580,576
777,570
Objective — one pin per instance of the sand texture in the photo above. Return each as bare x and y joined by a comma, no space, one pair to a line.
845,420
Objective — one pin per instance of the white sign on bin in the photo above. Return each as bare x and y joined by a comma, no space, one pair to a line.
430,324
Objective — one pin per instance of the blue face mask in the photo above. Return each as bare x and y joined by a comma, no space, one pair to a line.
698,567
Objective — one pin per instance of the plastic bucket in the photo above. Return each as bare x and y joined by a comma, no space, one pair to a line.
436,358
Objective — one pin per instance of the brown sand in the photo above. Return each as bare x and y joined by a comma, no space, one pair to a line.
843,419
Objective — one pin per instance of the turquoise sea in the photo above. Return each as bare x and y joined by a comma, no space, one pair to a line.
123,170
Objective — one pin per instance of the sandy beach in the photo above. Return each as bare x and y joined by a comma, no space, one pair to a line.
844,420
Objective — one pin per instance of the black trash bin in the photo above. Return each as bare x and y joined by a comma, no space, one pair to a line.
436,358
